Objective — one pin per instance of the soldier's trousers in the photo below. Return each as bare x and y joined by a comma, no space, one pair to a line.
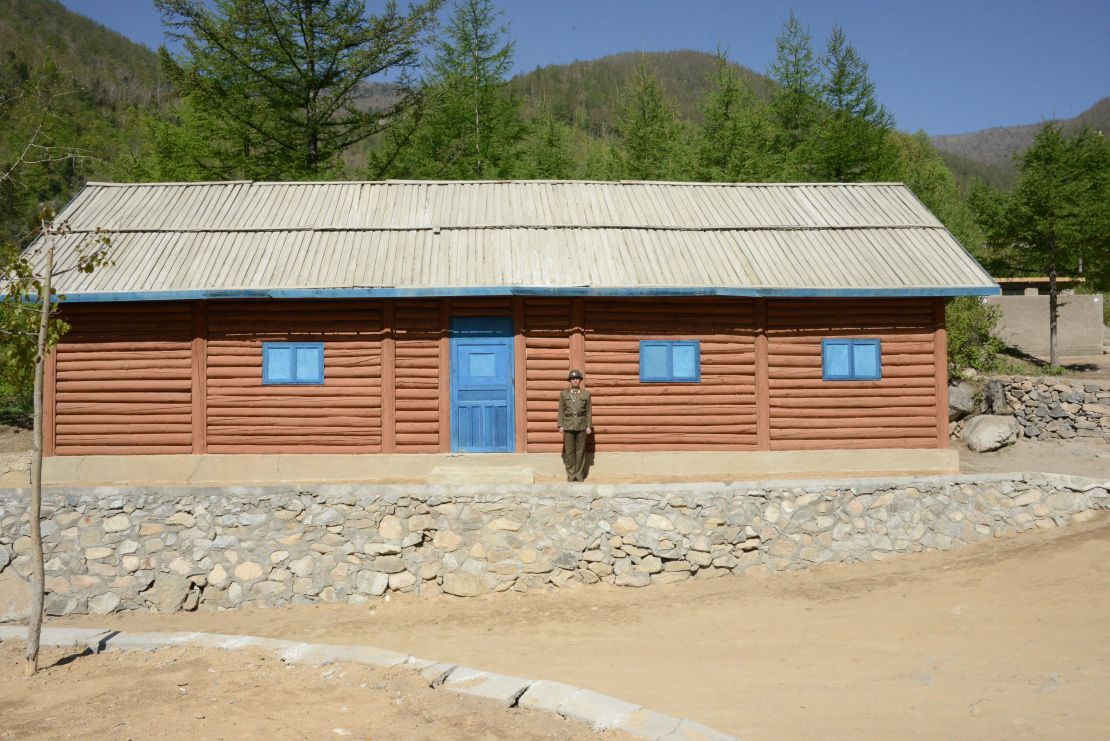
574,454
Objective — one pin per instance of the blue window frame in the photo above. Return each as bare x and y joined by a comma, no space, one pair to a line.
670,361
293,363
851,360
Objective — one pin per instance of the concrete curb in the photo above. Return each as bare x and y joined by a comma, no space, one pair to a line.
601,712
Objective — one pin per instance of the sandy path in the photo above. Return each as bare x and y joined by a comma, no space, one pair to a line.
998,640
209,694
1078,457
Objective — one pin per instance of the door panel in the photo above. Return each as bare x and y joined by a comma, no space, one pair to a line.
482,385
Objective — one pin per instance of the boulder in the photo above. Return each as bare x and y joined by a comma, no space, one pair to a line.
961,400
994,398
989,432
464,585
168,593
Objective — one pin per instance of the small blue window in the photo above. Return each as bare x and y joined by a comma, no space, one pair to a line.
851,360
293,363
670,361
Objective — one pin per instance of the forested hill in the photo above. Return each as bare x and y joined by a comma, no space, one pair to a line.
989,153
74,99
587,93
106,64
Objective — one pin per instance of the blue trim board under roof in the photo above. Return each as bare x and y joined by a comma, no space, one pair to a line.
452,292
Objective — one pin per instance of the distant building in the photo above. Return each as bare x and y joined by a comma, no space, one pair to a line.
1038,285
723,329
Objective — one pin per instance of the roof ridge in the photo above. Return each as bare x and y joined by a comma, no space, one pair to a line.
676,183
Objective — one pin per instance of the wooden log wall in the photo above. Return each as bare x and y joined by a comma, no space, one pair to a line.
123,381
182,377
898,411
419,403
341,416
719,413
546,361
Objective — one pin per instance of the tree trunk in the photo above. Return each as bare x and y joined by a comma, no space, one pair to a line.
1053,360
38,580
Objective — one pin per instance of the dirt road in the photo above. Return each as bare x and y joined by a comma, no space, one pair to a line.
209,694
999,640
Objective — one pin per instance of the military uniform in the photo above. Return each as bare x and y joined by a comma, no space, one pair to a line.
575,417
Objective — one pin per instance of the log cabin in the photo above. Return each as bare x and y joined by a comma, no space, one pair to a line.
381,331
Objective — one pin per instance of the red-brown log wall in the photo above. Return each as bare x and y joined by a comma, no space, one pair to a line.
125,375
341,416
123,380
420,405
898,411
719,413
546,360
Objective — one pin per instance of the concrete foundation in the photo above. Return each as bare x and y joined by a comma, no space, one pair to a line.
125,470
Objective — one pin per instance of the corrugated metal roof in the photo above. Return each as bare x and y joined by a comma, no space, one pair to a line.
174,240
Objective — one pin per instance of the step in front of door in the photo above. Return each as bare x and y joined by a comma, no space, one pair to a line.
482,475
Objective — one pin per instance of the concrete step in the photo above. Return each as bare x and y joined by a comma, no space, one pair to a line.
479,474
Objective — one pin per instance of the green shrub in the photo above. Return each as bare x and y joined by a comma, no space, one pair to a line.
972,342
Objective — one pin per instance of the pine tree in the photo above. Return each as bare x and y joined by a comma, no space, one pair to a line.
653,143
853,136
794,104
734,143
1057,217
467,125
274,84
547,150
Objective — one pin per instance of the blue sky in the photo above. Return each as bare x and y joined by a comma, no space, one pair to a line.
945,66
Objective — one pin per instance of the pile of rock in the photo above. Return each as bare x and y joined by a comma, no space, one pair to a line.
995,412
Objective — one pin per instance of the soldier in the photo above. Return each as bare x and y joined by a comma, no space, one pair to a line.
576,424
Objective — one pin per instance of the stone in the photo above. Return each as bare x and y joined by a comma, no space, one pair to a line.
150,528
278,556
117,524
168,593
400,581
373,583
102,604
625,526
994,398
390,528
599,711
248,571
504,523
389,564
15,597
961,401
502,688
183,519
645,723
546,695
97,553
633,579
447,540
465,585
659,522
989,432
303,566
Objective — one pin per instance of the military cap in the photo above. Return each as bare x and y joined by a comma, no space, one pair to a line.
575,374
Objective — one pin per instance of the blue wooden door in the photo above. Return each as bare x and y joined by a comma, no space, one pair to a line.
482,385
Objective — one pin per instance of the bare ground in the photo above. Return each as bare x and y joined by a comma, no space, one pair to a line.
212,694
1003,639
1076,457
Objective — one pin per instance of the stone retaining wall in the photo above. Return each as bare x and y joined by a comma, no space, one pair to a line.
126,549
1054,408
